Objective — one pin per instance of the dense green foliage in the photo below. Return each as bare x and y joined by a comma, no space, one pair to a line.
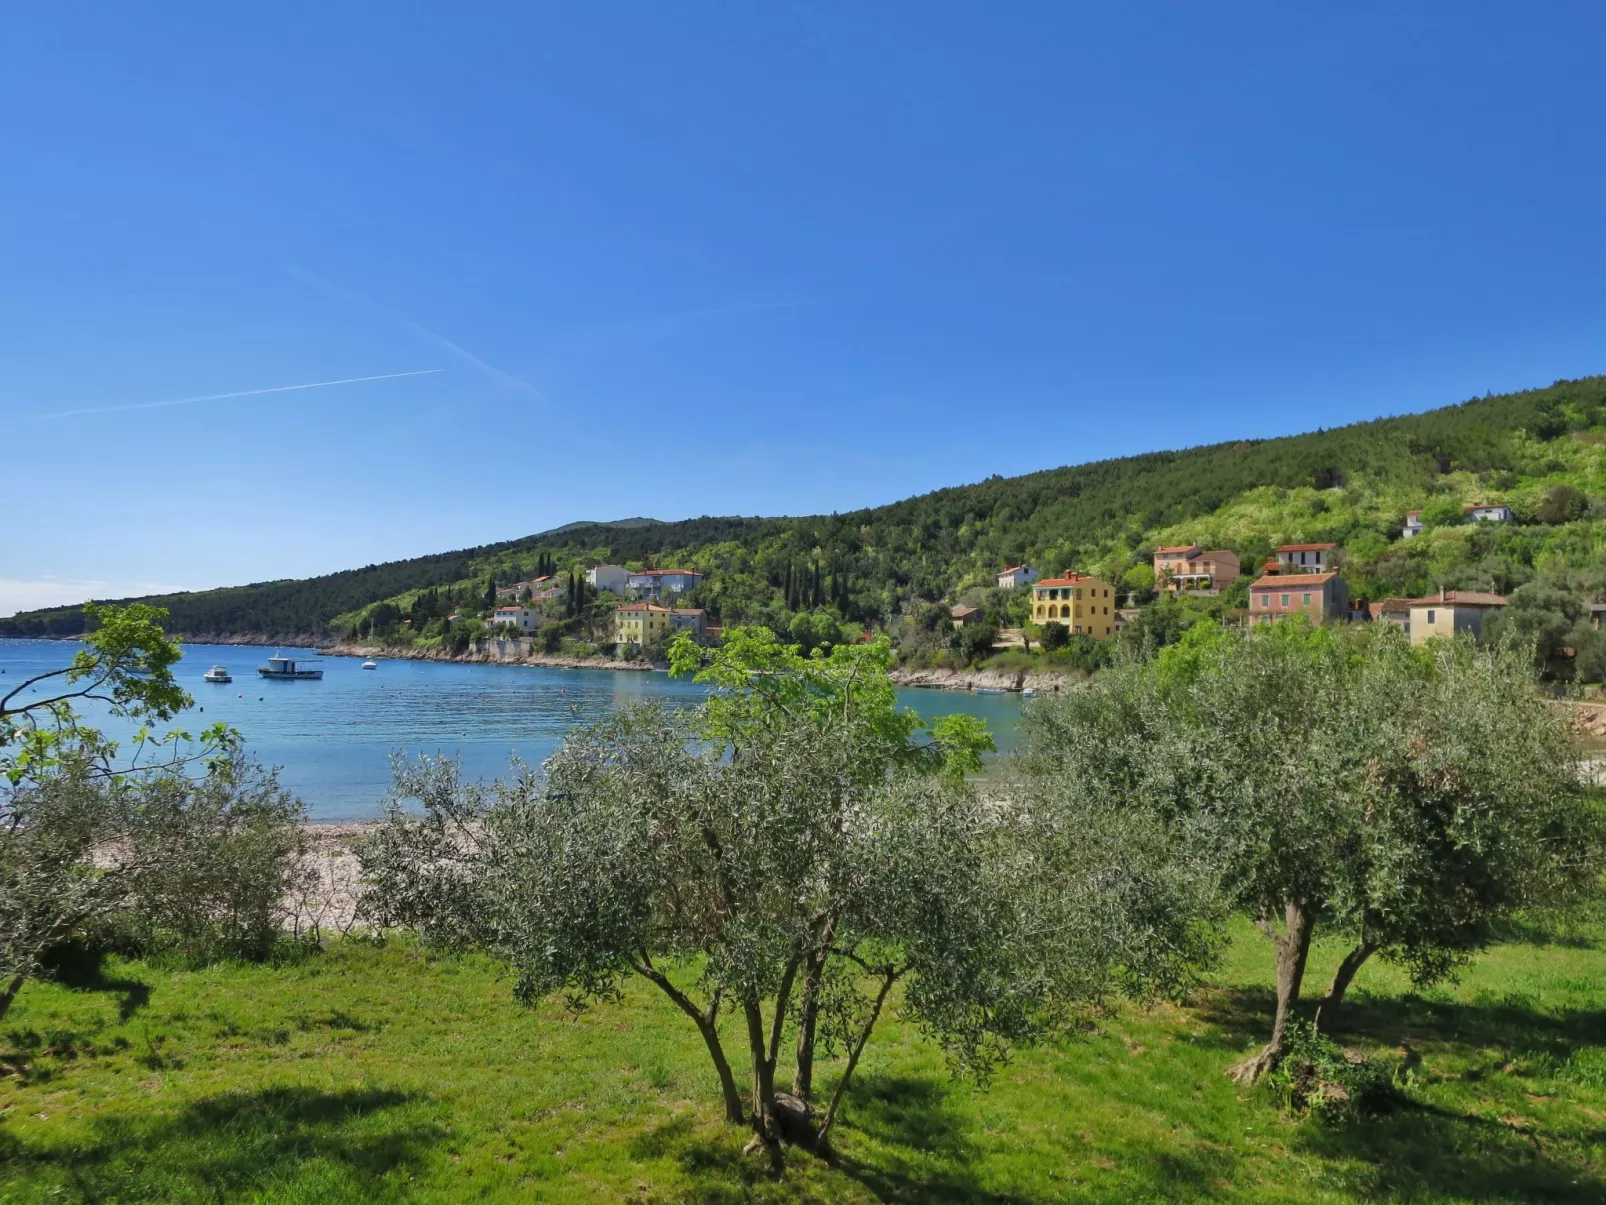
1540,451
1411,798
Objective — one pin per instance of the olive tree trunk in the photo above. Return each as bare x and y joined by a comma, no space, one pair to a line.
1327,1013
766,1132
808,1020
1293,948
10,994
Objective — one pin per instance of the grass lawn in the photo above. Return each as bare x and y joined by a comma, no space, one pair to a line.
382,1074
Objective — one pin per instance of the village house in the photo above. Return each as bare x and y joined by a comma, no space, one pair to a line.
1317,596
1307,558
1413,524
1084,604
1189,567
1481,512
964,617
1017,575
1450,612
615,579
637,624
522,618
548,587
689,619
516,590
656,583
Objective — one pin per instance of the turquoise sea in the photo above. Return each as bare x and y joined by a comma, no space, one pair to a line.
334,738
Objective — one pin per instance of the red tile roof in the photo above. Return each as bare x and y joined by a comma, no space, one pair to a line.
1305,547
1013,569
1176,550
642,607
1070,579
1285,581
1450,598
1472,598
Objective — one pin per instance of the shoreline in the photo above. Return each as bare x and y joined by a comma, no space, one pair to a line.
515,652
501,654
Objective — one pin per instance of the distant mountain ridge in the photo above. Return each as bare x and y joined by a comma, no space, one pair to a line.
1351,482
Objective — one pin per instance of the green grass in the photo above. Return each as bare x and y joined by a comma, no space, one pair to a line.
381,1074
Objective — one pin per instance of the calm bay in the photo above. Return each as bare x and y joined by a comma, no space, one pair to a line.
334,738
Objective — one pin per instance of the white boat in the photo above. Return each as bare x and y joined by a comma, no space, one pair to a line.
370,665
218,673
286,669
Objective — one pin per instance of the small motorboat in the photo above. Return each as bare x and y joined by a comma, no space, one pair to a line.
218,673
289,669
370,665
989,690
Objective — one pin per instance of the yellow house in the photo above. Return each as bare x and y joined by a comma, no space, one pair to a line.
1083,604
639,622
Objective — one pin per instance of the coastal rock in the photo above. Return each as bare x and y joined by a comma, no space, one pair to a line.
982,679
503,652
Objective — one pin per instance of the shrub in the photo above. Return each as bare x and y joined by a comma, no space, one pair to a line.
1318,1077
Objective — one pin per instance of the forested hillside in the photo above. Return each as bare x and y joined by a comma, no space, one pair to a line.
1542,451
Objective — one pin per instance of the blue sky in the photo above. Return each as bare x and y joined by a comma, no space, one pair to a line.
728,258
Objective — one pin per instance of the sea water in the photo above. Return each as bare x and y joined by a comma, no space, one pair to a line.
334,739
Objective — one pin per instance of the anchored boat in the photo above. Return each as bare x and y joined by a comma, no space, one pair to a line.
218,673
289,668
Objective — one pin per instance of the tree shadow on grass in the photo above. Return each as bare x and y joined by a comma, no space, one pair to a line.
79,967
1240,1017
905,1141
1421,1152
925,1140
325,1145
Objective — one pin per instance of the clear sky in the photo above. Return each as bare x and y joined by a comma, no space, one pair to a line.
791,257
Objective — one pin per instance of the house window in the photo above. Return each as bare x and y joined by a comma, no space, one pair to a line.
1285,600
1430,616
1265,600
1078,629
1307,600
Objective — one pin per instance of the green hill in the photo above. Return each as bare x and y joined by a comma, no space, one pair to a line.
1542,451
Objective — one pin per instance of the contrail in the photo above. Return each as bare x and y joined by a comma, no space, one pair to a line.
499,375
218,397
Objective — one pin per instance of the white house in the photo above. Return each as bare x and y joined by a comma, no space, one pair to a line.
1306,558
612,578
1480,512
1017,575
655,583
1413,524
523,618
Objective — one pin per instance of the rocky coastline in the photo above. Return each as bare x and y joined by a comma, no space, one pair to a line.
494,652
518,652
1013,681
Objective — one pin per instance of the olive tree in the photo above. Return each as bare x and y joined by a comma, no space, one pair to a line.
175,837
1408,798
788,854
1468,808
